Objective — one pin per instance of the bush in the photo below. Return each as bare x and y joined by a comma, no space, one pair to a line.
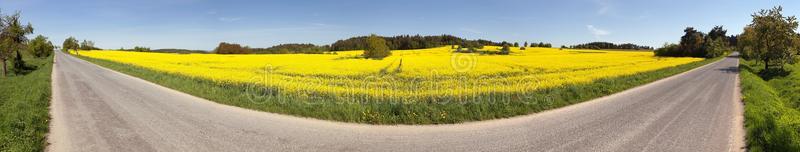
40,47
231,48
672,50
376,48
505,50
141,49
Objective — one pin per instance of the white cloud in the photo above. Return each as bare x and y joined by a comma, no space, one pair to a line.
596,31
230,19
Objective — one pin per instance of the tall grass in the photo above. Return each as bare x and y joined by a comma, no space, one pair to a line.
24,101
771,113
377,112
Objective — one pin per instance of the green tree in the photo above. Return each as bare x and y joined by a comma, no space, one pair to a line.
230,48
516,44
505,50
716,47
692,42
717,32
87,45
770,38
716,42
70,43
40,47
669,50
12,38
376,48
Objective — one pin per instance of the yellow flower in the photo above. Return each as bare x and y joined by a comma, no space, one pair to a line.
434,74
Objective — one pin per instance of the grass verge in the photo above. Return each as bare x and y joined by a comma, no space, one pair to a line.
771,112
400,113
24,101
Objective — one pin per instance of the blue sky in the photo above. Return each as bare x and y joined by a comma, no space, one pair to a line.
202,24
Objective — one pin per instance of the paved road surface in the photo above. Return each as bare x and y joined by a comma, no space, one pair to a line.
95,109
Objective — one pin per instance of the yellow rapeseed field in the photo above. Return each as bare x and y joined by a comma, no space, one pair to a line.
407,75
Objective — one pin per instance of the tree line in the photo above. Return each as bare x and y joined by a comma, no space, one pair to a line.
540,44
401,42
293,48
71,43
771,39
698,44
609,45
408,42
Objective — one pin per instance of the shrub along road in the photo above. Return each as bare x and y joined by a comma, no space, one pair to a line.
96,109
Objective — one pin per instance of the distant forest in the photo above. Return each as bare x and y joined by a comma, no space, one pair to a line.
607,45
292,48
408,42
400,42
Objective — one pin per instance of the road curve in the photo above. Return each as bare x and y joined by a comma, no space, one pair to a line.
96,109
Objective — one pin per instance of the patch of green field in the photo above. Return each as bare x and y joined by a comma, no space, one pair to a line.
771,112
24,101
400,113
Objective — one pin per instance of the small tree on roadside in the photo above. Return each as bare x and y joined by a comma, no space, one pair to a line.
40,47
70,43
12,38
770,38
376,48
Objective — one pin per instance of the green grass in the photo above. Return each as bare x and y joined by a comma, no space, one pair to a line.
24,101
377,112
771,112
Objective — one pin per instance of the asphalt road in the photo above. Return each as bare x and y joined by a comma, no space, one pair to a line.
96,109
